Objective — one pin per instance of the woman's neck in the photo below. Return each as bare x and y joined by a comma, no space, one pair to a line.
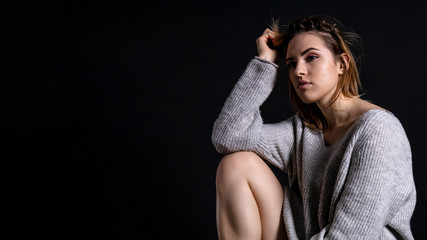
340,113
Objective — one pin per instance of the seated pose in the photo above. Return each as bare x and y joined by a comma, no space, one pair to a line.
348,161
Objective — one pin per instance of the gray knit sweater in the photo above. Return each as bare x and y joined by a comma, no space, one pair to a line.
361,187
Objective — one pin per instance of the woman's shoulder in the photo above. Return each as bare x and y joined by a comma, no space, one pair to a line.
374,120
378,118
380,125
371,115
380,130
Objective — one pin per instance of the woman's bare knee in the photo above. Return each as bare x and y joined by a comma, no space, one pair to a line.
237,211
248,169
239,161
236,165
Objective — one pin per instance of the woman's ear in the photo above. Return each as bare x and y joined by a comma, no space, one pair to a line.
343,63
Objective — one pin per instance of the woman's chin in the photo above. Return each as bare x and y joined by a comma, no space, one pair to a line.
307,100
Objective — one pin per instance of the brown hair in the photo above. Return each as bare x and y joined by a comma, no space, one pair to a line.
338,40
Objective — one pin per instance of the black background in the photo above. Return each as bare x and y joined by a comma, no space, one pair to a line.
108,107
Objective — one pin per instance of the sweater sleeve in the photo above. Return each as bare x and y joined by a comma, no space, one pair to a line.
239,126
378,197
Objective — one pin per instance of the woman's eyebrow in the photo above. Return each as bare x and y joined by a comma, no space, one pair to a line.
308,49
302,53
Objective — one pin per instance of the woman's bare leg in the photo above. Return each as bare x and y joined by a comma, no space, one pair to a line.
249,199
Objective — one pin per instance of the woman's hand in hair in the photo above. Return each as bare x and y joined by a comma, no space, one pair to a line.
268,46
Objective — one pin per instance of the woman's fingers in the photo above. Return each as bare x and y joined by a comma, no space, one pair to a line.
268,34
266,43
275,39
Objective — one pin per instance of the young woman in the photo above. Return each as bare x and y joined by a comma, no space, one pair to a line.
348,161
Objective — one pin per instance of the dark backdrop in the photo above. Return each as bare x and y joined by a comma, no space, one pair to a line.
108,109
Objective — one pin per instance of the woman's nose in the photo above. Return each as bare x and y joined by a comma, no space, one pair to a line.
300,70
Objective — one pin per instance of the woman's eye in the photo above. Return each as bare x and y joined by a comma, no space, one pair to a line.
290,65
311,57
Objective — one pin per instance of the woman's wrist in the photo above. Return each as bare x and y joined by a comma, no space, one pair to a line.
266,57
266,61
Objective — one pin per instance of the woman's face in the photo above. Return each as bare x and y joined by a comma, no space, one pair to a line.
313,70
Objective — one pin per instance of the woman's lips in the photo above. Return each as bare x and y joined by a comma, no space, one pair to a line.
302,84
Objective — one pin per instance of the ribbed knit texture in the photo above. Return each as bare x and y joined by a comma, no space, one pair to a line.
361,187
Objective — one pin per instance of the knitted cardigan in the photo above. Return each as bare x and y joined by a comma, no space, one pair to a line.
361,187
